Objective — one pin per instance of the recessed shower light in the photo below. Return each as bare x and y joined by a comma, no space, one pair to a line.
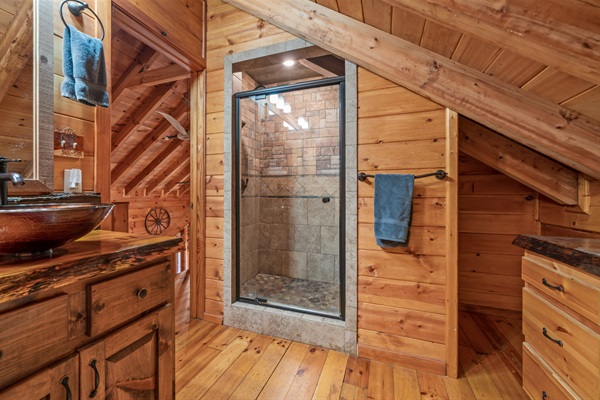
289,63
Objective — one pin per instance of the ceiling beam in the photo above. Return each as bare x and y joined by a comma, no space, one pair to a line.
15,47
158,76
523,165
551,129
155,163
145,35
317,68
155,135
142,62
561,34
178,181
175,165
157,97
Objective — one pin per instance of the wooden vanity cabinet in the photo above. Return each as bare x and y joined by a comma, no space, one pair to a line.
136,359
561,352
54,383
108,334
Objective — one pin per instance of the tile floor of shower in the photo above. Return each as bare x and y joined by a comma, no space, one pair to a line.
293,293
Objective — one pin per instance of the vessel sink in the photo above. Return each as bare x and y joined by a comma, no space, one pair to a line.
38,228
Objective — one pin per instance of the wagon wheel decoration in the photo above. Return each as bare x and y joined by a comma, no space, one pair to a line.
157,220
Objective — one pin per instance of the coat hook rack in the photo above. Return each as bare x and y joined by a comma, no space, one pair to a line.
76,9
439,174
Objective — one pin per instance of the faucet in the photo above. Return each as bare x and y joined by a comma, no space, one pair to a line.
6,176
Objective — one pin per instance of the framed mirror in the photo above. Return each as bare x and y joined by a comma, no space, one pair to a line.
26,92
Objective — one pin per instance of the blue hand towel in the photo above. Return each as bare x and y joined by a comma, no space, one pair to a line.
84,69
393,209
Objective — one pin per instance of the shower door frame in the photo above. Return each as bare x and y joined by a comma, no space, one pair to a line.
341,82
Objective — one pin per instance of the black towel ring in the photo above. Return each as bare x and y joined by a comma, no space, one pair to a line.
76,10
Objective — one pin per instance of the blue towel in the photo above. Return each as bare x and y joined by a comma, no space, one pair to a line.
393,209
84,69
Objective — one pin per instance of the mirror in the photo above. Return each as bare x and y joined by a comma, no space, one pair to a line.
26,92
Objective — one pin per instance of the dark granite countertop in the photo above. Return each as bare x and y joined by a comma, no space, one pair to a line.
578,252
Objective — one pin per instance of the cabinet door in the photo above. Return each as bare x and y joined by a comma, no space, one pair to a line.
60,382
135,362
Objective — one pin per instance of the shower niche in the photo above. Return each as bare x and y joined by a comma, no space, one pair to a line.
289,194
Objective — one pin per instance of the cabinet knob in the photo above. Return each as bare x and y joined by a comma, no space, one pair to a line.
143,292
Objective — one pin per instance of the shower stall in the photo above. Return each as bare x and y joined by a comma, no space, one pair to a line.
289,200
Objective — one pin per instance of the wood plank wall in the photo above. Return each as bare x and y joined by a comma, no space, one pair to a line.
558,220
138,207
69,113
493,210
402,291
228,30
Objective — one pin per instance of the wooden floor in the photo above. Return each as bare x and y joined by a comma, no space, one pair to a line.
218,362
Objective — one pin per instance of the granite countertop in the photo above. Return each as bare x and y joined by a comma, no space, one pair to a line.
579,252
94,255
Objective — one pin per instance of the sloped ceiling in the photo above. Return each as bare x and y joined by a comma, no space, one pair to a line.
543,52
145,82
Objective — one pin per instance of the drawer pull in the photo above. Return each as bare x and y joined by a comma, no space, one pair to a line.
142,293
560,288
544,395
94,392
65,382
558,342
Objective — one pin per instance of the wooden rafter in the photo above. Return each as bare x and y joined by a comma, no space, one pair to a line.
553,130
523,165
157,97
143,61
15,47
150,38
155,135
563,35
157,76
162,158
317,68
175,165
175,182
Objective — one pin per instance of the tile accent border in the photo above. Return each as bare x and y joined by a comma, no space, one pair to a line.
306,328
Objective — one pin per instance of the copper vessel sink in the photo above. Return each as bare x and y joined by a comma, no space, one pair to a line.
38,228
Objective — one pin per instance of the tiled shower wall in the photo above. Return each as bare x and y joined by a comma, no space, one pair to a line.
290,211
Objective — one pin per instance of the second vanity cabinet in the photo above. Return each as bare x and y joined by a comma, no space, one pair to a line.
561,352
107,333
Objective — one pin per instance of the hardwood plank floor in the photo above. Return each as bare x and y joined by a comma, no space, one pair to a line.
217,362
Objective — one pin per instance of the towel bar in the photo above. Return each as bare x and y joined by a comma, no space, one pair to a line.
76,10
439,174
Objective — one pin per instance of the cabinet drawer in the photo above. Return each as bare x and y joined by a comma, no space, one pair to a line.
118,300
564,284
32,336
538,379
569,347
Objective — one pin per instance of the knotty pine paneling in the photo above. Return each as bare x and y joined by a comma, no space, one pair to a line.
572,221
69,113
401,132
492,210
139,206
229,30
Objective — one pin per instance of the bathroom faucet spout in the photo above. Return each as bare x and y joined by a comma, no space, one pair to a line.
13,177
5,177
